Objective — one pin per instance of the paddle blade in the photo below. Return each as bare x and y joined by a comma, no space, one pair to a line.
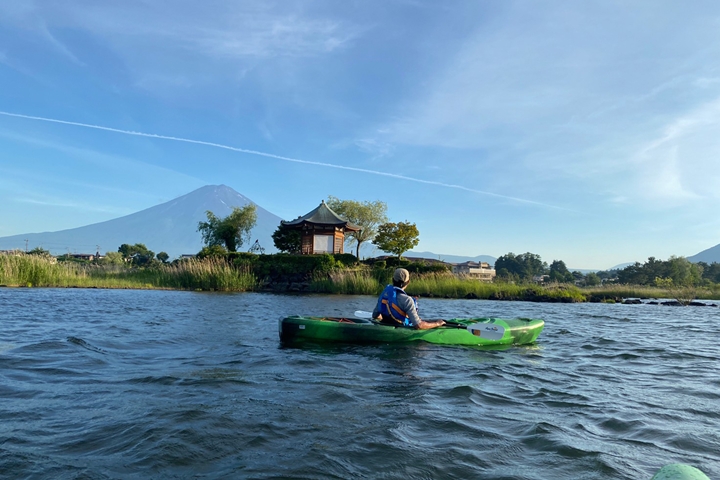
361,314
489,331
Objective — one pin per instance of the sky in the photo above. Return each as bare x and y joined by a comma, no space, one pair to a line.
587,132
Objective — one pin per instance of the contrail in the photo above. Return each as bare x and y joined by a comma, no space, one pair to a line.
280,157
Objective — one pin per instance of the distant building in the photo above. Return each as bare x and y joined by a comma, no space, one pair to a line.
541,278
15,252
83,256
479,270
322,230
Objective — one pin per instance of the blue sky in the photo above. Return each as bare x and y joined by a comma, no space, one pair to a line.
587,132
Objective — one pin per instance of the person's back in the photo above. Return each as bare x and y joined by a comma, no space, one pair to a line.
395,307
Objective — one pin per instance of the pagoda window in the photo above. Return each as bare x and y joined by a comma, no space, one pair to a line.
323,244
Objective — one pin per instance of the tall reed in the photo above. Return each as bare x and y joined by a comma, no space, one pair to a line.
35,270
450,286
207,274
351,282
193,274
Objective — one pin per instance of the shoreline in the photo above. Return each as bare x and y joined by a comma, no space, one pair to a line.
654,301
326,275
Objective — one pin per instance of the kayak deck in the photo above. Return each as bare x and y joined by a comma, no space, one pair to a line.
466,331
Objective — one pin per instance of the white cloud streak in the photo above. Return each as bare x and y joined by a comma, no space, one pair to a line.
283,158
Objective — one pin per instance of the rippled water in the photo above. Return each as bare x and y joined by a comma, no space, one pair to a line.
156,384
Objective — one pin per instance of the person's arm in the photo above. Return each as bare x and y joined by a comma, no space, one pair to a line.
407,304
423,325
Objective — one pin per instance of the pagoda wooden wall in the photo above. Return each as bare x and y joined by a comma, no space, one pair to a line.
307,246
339,241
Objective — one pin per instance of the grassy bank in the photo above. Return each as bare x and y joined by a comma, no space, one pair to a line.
215,274
207,274
443,285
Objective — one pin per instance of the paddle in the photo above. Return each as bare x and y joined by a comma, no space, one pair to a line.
483,330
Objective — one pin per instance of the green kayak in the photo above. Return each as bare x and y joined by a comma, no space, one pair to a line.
467,331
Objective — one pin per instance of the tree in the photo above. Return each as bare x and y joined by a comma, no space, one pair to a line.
684,272
366,215
524,266
163,257
592,279
679,270
560,273
287,239
710,272
137,254
113,258
231,231
39,251
212,251
397,238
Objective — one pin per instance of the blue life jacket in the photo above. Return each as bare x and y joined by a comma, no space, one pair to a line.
389,308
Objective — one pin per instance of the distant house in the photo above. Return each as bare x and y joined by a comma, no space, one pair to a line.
322,230
187,255
479,270
15,252
541,278
83,256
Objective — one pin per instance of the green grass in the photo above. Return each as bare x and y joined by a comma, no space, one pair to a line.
206,274
444,285
347,282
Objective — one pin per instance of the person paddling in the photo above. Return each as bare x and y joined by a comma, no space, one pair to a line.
397,308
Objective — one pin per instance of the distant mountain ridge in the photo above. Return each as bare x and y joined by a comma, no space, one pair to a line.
451,258
170,227
709,255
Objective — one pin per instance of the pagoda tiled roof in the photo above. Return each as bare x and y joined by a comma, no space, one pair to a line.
322,215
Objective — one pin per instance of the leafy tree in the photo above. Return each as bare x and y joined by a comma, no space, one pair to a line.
679,270
163,257
710,272
212,251
287,239
231,231
367,215
634,275
113,258
137,254
397,238
560,273
523,266
683,272
40,252
592,279
608,274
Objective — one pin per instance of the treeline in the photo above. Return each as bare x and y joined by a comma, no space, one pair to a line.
529,267
137,255
677,271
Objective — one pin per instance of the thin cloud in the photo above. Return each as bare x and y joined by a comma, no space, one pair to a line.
54,202
283,158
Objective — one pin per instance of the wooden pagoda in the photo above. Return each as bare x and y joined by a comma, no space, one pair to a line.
323,231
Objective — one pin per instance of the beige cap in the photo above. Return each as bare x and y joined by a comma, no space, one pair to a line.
401,276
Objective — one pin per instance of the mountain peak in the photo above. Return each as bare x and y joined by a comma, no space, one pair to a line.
170,227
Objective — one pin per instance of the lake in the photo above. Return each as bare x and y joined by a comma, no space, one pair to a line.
165,384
